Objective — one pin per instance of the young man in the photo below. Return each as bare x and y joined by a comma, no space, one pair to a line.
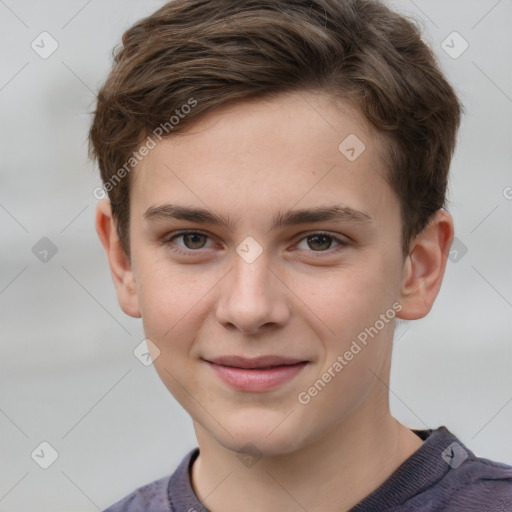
276,173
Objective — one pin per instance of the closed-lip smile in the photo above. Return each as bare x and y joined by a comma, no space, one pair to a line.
256,374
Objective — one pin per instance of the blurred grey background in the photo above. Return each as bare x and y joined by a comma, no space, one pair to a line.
68,373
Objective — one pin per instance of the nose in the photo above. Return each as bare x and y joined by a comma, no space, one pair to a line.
252,298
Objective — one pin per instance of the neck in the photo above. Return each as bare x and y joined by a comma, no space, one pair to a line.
334,473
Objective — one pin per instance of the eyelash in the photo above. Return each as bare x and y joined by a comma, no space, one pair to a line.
168,242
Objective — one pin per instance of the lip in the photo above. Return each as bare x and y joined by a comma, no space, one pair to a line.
256,374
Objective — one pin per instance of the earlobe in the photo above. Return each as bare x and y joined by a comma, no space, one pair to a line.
423,269
120,266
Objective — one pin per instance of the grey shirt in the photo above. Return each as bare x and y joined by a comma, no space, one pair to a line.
442,475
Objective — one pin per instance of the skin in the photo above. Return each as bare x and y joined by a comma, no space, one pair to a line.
303,297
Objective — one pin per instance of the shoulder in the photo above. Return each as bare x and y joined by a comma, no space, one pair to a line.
479,484
153,496
156,496
468,482
443,475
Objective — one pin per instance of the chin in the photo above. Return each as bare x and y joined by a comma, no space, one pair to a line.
259,445
261,434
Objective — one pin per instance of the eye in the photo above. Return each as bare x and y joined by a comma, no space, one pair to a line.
191,241
320,242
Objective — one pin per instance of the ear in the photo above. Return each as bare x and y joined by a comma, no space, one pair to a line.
120,266
424,267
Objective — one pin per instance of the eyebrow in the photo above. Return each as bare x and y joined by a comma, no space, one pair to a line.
289,218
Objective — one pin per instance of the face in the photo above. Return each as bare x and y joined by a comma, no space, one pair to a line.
263,254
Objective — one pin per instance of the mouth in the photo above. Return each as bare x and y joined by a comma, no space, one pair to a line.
257,374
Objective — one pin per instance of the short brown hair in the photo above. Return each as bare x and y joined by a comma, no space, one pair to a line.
212,52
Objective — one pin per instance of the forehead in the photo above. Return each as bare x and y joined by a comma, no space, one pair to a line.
297,148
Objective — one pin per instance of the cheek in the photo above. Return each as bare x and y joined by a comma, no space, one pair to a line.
348,299
173,305
168,293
